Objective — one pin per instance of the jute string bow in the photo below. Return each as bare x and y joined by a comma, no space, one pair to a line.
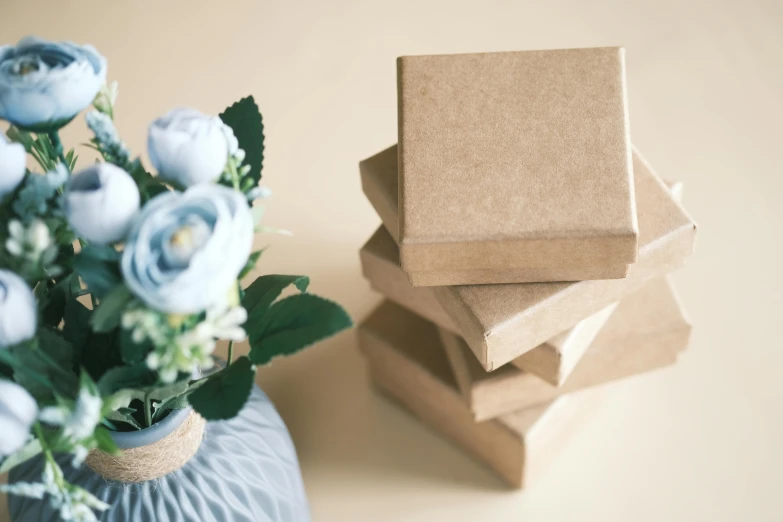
154,460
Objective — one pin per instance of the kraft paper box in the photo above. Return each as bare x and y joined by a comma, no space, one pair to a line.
516,161
407,363
502,322
647,331
553,360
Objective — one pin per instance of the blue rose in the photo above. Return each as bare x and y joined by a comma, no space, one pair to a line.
185,250
189,147
43,84
100,203
18,410
13,165
18,311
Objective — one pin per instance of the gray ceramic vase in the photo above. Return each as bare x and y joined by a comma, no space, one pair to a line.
246,470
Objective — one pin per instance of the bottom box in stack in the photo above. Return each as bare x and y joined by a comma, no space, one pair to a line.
432,375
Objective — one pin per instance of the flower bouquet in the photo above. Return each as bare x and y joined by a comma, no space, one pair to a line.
116,284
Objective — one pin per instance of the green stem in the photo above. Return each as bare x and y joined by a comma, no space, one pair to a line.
148,409
47,452
232,170
58,146
230,353
94,301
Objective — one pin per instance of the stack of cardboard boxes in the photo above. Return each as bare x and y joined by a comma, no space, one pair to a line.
524,249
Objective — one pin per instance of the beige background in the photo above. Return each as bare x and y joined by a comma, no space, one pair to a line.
702,441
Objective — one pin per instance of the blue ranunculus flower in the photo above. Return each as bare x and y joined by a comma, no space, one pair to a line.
100,203
17,414
13,165
43,84
18,311
186,250
189,147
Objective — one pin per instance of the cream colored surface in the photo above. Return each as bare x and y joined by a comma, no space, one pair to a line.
700,441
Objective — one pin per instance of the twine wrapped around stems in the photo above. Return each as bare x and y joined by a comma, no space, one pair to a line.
153,460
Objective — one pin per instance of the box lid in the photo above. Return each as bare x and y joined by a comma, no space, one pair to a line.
379,183
503,322
552,360
515,160
647,331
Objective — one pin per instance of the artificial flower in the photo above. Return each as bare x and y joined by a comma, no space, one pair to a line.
18,410
186,250
18,311
43,84
101,202
13,161
190,148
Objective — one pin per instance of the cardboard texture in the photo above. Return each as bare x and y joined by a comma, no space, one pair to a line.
407,363
647,331
516,160
568,347
502,322
379,182
553,360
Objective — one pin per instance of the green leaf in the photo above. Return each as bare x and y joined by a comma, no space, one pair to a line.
105,442
44,366
58,351
294,323
224,394
152,189
246,121
52,298
124,415
262,292
167,391
109,312
28,451
38,374
133,352
70,159
149,185
122,377
100,354
86,382
76,329
99,268
175,403
121,399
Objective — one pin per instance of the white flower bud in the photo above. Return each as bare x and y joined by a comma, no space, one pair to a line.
190,148
18,310
101,202
38,236
18,410
13,165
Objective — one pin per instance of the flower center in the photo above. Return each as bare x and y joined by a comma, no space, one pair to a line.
26,66
185,241
182,238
